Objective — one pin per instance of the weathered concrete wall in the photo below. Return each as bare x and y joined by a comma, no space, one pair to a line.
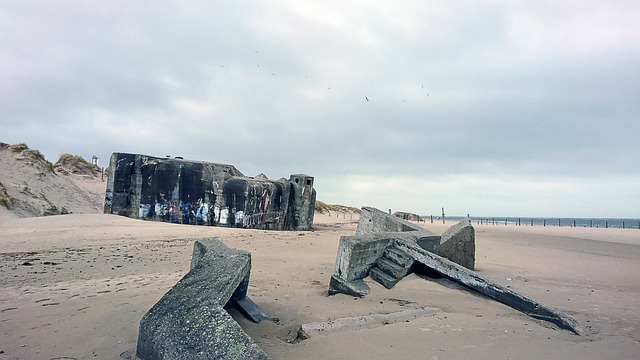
356,254
458,244
373,220
202,193
189,321
300,198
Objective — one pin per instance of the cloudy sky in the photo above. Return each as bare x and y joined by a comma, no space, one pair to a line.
488,108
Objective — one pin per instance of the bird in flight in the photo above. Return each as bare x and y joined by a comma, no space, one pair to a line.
366,98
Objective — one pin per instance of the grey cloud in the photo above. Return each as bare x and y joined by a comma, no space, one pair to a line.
464,89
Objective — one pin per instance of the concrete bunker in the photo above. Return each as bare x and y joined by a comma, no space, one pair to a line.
203,193
385,248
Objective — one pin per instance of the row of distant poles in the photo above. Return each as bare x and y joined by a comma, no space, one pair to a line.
558,223
443,218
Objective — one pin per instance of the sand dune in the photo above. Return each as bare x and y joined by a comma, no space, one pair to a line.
32,186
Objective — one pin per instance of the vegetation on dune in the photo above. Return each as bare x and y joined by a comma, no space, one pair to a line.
66,164
35,155
19,147
5,199
67,158
75,164
328,208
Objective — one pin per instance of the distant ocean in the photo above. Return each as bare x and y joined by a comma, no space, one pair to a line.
539,221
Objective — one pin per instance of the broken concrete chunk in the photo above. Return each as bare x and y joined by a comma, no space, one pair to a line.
356,287
458,244
190,322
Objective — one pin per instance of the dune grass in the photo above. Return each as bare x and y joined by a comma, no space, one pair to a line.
33,154
322,208
5,199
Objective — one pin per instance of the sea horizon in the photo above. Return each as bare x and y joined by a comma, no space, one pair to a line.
606,222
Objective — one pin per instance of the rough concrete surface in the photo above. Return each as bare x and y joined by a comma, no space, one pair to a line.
458,244
190,322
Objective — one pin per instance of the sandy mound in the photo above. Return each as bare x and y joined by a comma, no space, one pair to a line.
77,165
32,186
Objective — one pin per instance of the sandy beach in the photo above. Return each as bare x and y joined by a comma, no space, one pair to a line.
75,287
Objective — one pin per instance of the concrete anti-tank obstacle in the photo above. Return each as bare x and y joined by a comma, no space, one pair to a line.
190,320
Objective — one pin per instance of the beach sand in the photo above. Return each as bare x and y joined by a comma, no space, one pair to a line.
76,286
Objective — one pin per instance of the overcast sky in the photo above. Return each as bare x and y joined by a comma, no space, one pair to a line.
487,108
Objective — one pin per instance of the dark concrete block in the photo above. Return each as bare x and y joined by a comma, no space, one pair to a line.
251,310
353,288
203,193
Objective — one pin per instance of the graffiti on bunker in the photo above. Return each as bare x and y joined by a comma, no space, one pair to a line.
201,193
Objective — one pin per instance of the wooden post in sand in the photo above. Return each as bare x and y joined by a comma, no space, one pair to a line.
432,219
